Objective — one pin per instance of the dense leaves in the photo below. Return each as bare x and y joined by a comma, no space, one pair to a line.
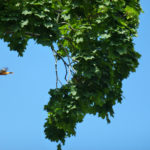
24,20
98,37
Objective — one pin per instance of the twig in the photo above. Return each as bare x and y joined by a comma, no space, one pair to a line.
55,56
27,33
59,56
33,34
65,64
66,72
57,20
69,64
56,68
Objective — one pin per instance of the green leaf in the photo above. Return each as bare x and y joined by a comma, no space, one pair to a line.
79,40
24,23
26,12
48,25
123,51
131,12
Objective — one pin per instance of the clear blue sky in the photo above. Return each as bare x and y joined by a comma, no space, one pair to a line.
23,95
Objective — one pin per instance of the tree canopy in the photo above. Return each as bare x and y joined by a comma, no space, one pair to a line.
94,40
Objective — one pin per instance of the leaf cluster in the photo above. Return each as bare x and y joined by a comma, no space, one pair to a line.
24,20
97,34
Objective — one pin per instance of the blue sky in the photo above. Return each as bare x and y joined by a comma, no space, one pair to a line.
23,95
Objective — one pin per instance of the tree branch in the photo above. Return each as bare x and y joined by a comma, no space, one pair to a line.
55,56
27,33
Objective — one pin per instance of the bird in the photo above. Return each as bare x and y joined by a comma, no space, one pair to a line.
5,72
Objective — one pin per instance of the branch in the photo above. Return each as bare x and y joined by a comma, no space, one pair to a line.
69,64
59,56
27,33
57,79
69,57
32,34
65,64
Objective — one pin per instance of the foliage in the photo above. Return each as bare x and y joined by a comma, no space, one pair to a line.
97,38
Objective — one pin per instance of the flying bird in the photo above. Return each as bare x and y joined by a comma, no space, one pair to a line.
5,72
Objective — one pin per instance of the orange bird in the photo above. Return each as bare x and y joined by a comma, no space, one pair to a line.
4,71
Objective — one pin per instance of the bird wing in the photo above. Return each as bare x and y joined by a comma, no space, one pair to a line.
3,70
